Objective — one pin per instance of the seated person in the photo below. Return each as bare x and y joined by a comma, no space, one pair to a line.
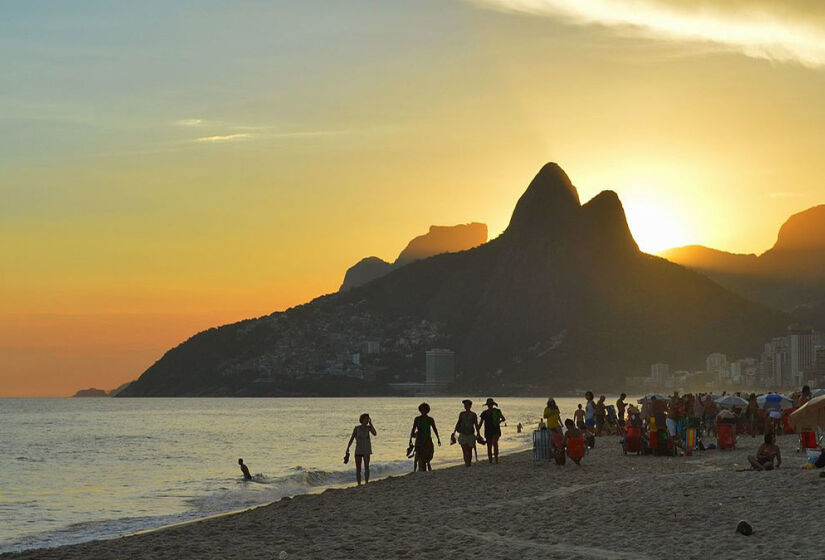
766,455
574,442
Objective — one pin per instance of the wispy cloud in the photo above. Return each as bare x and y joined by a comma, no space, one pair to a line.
757,34
190,122
224,138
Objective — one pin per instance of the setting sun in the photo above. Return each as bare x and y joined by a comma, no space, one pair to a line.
655,226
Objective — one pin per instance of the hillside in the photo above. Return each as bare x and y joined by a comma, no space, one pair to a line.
562,299
791,274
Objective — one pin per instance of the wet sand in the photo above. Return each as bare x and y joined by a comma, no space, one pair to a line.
614,506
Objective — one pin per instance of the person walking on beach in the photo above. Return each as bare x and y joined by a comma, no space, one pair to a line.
422,431
710,414
601,415
244,470
363,446
467,428
579,417
491,419
752,414
589,412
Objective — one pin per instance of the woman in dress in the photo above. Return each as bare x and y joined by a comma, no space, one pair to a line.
363,446
467,428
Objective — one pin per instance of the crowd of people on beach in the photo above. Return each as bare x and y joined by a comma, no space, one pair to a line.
675,425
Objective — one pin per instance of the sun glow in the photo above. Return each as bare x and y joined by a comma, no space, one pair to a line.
655,226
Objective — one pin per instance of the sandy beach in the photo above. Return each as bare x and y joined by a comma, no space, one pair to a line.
614,506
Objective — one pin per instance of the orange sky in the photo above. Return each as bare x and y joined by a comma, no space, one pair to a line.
169,169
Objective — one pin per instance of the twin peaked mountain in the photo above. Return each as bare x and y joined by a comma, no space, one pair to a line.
562,299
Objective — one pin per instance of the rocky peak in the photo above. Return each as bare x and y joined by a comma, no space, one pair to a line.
550,202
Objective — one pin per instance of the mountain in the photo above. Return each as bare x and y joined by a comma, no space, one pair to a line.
789,275
87,393
439,239
563,298
705,259
364,271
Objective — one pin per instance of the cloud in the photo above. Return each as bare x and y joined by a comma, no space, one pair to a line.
190,122
224,138
760,30
785,195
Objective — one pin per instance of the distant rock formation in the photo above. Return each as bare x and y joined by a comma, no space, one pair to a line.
562,299
102,393
790,274
91,393
438,240
364,271
119,388
443,239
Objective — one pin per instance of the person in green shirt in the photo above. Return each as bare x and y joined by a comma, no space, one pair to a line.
422,431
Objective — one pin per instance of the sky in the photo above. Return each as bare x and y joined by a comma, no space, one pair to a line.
167,167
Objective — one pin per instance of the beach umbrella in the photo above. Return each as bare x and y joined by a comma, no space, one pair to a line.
731,401
774,401
649,396
809,415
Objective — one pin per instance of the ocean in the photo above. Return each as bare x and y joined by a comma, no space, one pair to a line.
73,470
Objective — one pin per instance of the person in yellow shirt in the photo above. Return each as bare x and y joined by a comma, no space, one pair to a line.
552,415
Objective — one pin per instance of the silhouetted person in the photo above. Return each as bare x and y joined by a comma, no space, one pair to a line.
491,419
244,470
363,446
423,430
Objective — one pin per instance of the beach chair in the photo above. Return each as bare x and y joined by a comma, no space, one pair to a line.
807,440
541,446
725,436
632,440
691,435
576,448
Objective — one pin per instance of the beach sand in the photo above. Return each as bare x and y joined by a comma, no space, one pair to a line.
614,506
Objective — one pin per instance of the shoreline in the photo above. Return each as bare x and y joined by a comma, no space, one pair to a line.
617,505
311,491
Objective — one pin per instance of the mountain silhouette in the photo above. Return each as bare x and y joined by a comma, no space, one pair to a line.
789,275
563,298
439,239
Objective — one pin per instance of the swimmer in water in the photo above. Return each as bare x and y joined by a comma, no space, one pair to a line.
244,470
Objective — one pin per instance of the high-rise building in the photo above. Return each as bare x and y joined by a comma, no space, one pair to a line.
801,348
818,368
736,371
660,372
440,366
781,362
717,364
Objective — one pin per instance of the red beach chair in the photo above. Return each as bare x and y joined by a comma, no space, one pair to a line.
633,440
725,436
575,448
807,440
